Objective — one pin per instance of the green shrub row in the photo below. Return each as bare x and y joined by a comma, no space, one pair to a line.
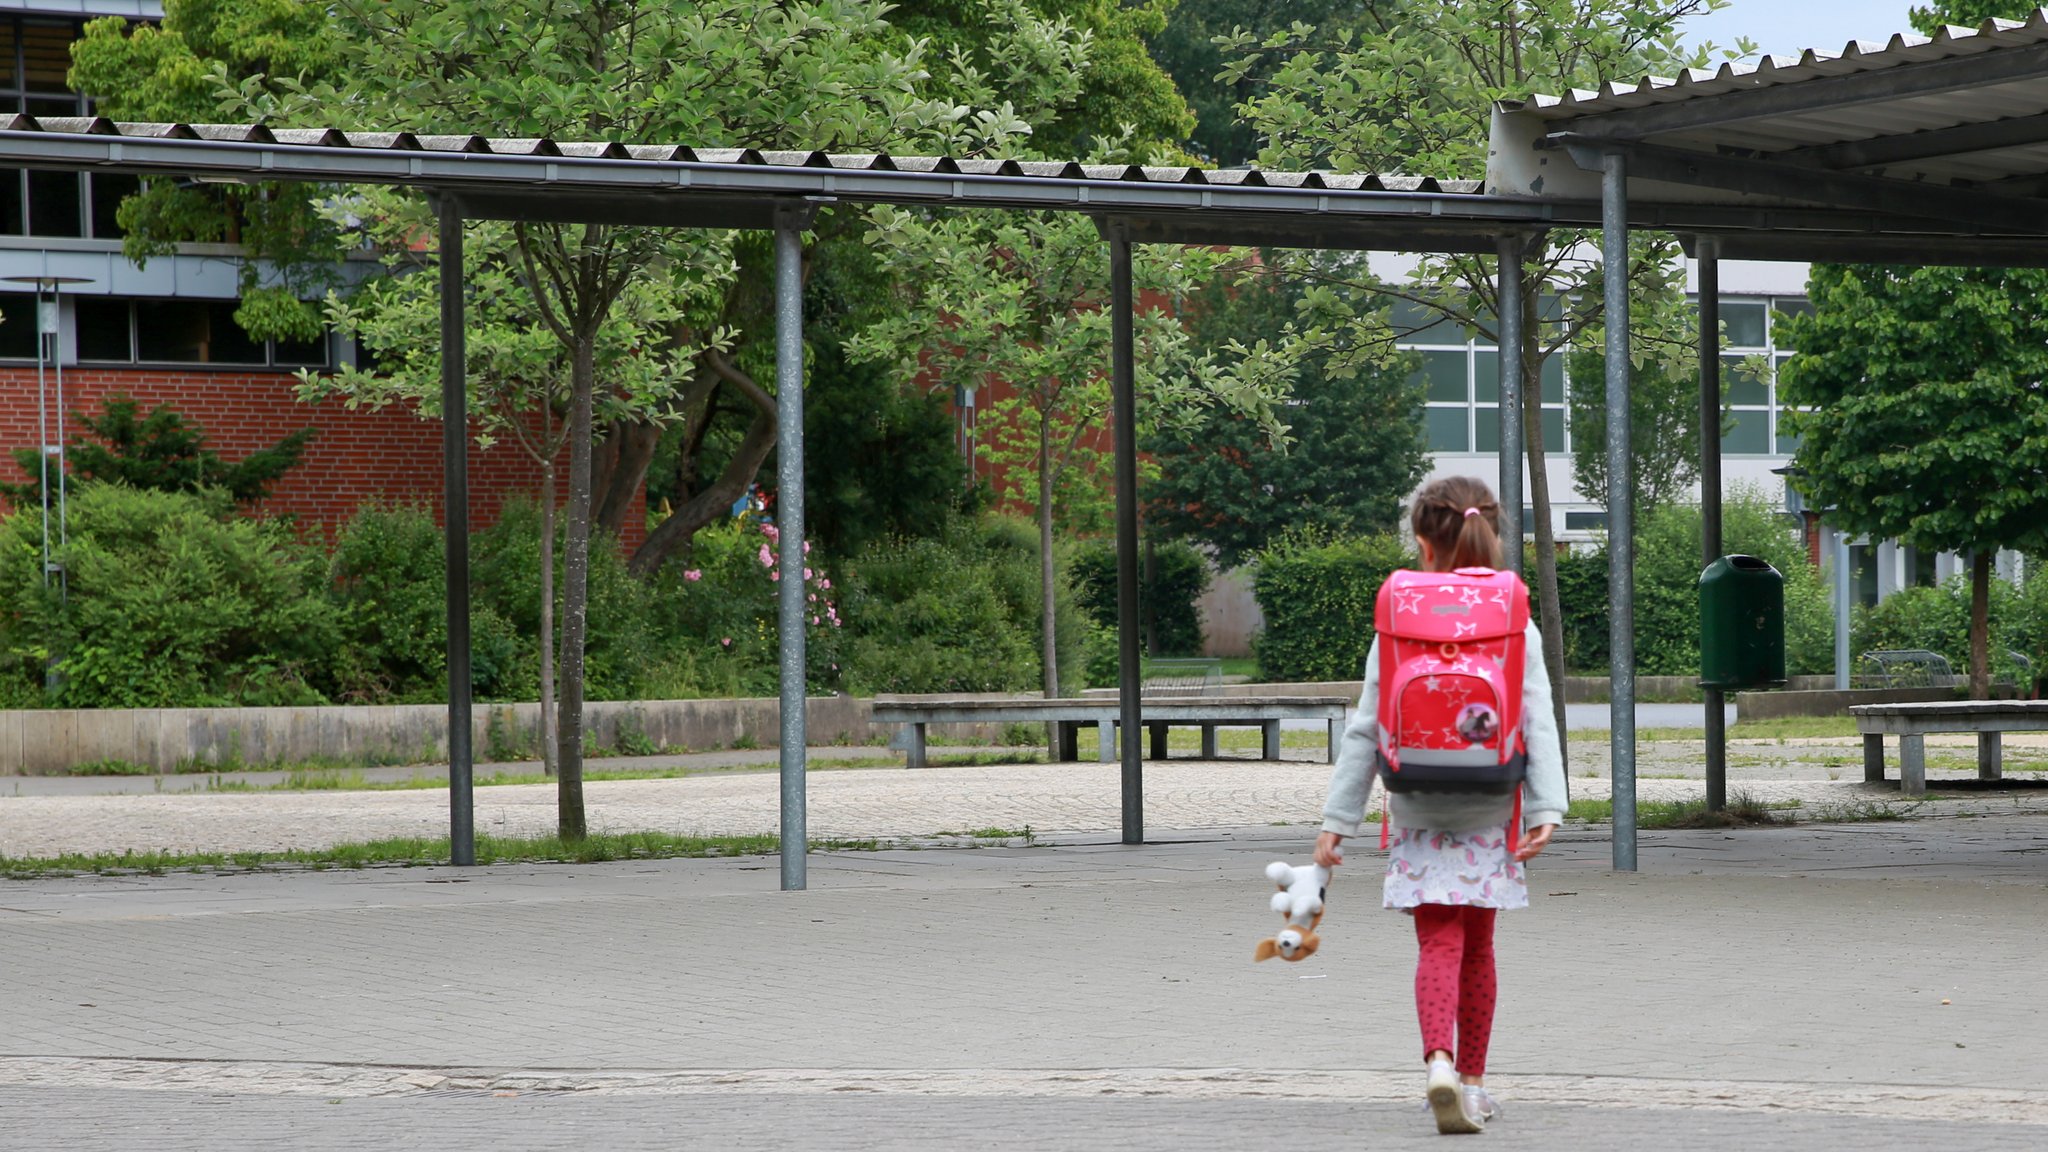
1667,574
1172,576
1937,618
169,599
1316,592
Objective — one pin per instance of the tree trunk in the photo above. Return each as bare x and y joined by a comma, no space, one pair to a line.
1047,584
1980,623
569,815
620,470
550,758
1549,608
682,524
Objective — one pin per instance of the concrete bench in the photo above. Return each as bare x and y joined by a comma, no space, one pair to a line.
1068,716
1989,719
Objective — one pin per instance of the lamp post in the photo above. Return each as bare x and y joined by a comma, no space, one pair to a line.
48,352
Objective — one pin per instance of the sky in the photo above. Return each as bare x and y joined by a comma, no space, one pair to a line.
1783,27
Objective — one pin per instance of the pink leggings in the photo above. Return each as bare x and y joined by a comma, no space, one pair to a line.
1454,982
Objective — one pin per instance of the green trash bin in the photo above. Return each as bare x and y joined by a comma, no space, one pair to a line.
1742,624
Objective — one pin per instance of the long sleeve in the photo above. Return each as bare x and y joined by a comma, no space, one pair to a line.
1543,792
1352,779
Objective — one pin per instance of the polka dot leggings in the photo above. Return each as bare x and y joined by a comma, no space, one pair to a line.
1454,982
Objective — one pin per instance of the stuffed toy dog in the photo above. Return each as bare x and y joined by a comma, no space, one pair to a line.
1300,901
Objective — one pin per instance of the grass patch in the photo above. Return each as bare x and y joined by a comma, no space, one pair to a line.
1242,739
1786,728
1743,810
593,849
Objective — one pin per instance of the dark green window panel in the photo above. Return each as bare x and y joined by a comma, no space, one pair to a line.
1447,430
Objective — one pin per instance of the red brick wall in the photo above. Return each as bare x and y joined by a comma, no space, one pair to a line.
357,455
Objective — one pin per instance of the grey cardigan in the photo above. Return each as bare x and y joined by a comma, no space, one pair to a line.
1543,792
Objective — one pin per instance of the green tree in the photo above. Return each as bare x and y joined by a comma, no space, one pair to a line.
518,372
1187,49
1015,304
1356,448
1413,94
160,451
175,72
1919,401
1123,89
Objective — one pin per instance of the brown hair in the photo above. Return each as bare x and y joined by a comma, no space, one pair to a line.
1461,520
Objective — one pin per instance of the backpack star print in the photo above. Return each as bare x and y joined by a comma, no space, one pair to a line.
1451,660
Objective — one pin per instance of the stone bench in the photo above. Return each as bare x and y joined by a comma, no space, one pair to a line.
1068,716
1989,719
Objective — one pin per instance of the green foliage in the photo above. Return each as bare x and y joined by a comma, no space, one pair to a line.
1921,408
165,600
958,612
1937,618
1664,425
1186,48
1317,591
389,579
1668,565
1355,450
1178,575
162,452
1968,13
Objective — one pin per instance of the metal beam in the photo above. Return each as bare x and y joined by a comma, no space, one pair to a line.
1124,422
1508,251
455,534
1305,230
1879,151
1710,495
789,524
1621,550
1826,94
2027,252
1792,182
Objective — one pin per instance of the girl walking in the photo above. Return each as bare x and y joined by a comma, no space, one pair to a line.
1470,800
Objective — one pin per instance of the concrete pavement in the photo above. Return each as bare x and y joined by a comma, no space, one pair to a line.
1864,985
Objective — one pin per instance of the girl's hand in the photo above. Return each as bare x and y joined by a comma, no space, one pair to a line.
1328,854
1534,841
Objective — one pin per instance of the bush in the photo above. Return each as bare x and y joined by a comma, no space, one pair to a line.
958,612
1179,576
1317,594
1667,577
167,600
1937,618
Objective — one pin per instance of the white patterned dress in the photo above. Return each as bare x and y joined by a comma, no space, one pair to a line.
1427,866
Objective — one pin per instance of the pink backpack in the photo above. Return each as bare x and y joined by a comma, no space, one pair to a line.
1451,659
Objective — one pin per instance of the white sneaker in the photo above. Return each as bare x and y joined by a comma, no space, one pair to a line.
1447,1100
1480,1104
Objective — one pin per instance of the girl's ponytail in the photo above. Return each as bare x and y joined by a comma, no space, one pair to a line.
1461,520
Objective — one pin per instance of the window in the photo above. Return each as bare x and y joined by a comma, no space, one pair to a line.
1458,371
115,331
35,57
18,326
1750,331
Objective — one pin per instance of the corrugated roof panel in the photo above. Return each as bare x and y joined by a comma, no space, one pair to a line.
1856,56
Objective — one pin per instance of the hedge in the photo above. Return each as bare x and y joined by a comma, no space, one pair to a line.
1179,576
1316,592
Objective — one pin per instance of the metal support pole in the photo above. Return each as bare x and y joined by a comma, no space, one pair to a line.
1124,420
455,497
1710,494
1843,586
1511,385
1621,551
43,347
789,522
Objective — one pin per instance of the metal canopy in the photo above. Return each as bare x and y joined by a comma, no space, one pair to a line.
1950,128
1928,151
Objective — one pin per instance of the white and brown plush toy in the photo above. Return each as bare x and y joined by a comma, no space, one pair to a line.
1300,901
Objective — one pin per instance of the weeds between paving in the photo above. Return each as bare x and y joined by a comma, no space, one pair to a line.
597,848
